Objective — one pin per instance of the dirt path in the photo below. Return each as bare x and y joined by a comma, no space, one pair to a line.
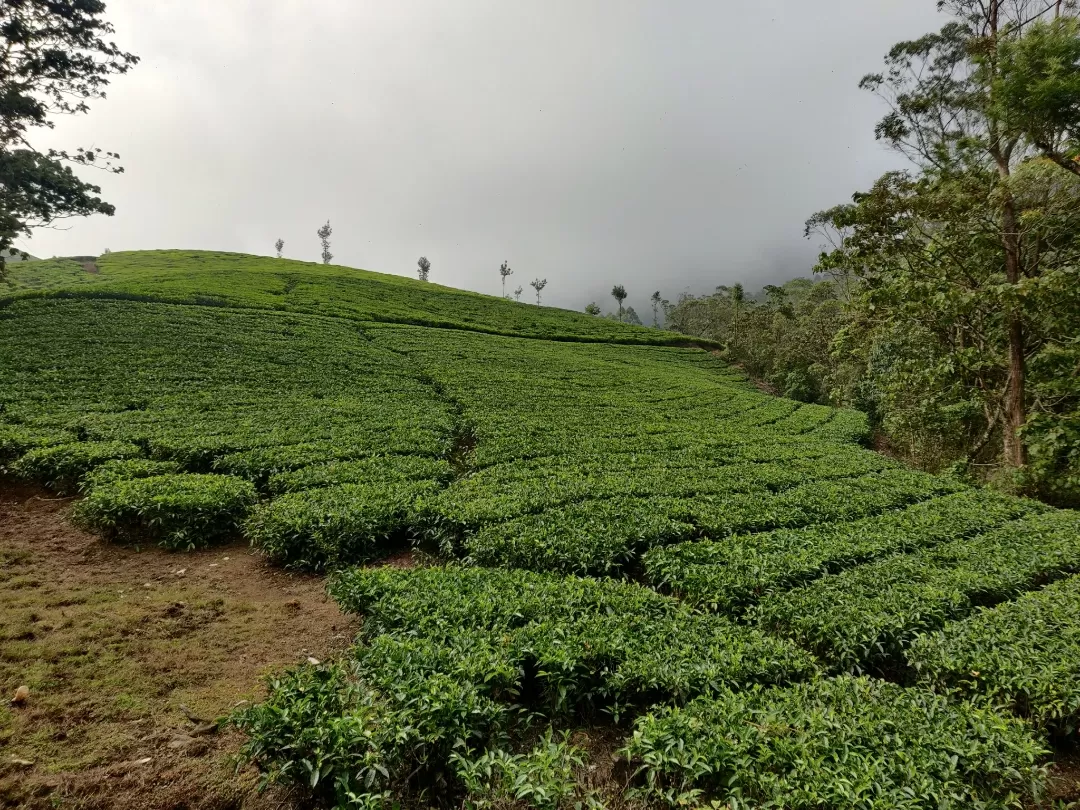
112,642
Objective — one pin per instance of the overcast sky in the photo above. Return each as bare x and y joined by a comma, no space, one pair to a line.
661,144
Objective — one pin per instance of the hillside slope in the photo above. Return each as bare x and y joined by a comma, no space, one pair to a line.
238,280
652,548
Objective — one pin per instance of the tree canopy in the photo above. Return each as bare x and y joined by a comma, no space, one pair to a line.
55,60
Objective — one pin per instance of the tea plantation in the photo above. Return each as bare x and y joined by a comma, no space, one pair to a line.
624,549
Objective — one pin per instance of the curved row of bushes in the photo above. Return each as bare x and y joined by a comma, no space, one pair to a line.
325,515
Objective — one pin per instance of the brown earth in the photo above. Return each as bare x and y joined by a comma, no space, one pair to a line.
120,646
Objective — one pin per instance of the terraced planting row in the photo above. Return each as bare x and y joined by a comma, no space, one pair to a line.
633,538
370,415
452,663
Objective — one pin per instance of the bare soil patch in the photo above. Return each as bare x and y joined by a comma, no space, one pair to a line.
120,648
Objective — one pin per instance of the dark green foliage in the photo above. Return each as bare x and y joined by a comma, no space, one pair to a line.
593,537
450,658
15,440
219,389
327,528
178,511
844,742
56,58
864,618
1023,654
362,471
781,335
592,643
126,469
608,535
323,731
543,777
62,466
733,573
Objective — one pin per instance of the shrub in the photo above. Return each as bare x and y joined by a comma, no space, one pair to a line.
843,742
731,574
323,730
328,528
18,439
590,644
126,469
362,471
179,511
1023,654
451,661
543,778
864,618
61,467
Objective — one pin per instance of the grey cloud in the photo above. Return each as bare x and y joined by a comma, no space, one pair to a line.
661,145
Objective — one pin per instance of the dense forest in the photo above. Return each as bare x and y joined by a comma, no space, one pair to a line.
947,305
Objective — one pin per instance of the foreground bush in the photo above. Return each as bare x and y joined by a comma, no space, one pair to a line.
588,644
61,467
18,439
453,662
328,528
844,742
126,469
1023,654
178,511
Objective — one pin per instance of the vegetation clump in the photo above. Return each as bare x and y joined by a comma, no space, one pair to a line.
843,742
179,511
1024,654
60,467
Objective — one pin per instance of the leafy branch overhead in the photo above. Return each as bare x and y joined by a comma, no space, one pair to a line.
961,268
56,60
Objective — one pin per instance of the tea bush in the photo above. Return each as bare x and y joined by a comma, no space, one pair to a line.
327,528
126,469
864,618
452,661
843,742
181,511
731,574
60,467
588,643
1023,654
362,471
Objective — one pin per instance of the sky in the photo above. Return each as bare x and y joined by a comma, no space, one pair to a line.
670,145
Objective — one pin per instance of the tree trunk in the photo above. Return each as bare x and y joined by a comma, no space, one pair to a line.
1015,398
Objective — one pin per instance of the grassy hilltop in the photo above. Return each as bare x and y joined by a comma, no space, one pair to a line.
255,282
622,540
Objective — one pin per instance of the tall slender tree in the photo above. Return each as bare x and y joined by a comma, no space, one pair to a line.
55,58
324,237
618,292
505,272
738,300
538,285
423,268
656,301
279,246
